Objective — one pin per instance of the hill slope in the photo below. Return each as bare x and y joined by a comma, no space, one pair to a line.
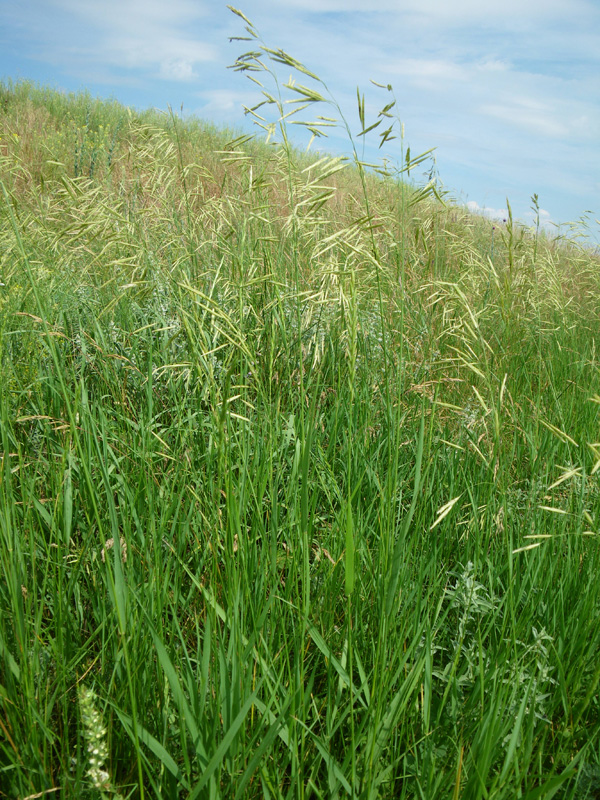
298,490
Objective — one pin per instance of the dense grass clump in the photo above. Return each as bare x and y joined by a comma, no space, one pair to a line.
298,471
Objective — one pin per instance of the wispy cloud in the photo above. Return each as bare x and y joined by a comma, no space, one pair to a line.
534,117
429,73
554,117
119,35
441,12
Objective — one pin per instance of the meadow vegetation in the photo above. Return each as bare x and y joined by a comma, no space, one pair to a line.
299,487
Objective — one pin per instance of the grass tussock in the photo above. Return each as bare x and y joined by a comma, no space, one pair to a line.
298,468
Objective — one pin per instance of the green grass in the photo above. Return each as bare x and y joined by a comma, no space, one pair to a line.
298,488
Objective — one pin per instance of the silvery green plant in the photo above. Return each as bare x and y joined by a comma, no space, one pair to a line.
471,602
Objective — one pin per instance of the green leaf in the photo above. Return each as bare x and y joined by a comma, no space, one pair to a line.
349,562
398,549
152,744
222,749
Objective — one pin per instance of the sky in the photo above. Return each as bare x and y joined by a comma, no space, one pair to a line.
507,92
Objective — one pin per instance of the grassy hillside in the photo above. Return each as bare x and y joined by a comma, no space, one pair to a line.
298,489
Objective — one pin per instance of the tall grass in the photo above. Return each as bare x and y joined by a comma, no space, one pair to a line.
298,490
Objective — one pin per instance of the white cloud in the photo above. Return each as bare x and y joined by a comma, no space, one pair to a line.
501,215
149,35
177,69
221,101
545,219
493,65
490,213
175,58
424,71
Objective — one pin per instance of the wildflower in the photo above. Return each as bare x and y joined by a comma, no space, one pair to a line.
95,735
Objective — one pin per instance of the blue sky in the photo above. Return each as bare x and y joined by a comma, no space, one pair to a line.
508,92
